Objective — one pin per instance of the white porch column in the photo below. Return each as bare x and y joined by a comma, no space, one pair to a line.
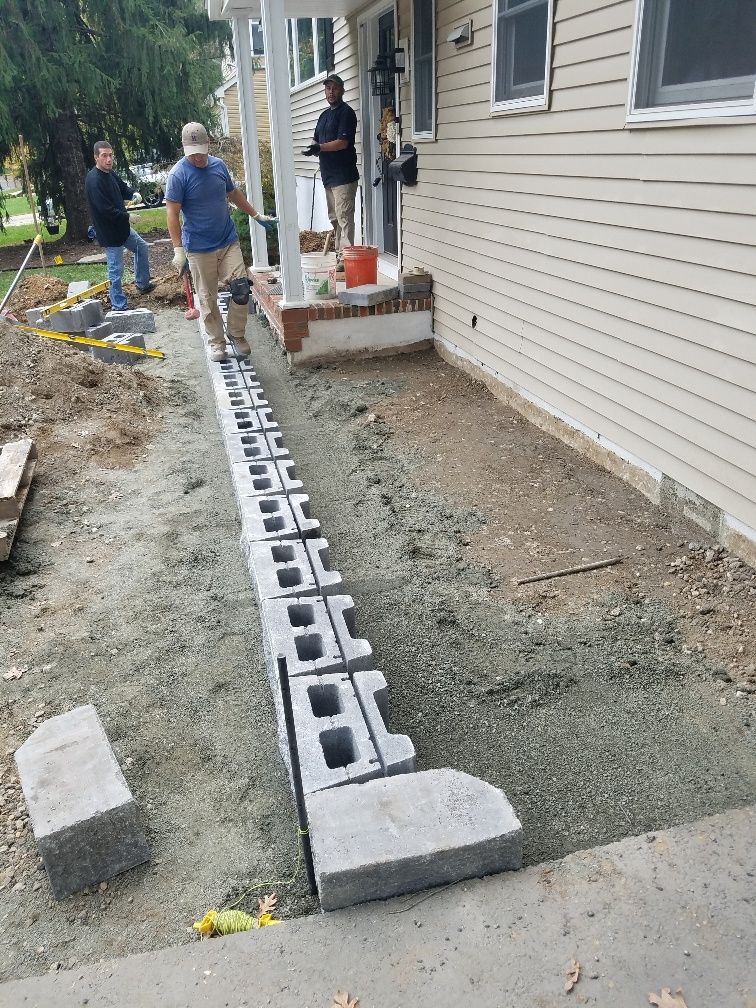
250,150
279,103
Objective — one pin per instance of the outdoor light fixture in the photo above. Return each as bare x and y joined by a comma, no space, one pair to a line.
385,68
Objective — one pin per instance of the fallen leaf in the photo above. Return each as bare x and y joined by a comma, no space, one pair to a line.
267,904
573,975
341,999
667,999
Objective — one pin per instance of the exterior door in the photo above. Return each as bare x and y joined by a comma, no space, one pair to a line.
387,151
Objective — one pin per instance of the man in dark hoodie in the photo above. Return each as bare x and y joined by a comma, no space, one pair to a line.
106,193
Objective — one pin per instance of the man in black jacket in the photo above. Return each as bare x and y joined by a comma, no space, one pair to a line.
334,146
106,193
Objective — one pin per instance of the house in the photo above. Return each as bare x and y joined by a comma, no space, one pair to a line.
227,95
585,201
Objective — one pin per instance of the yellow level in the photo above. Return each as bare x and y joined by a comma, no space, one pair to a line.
85,341
67,302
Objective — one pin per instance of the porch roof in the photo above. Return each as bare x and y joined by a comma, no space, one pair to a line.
221,10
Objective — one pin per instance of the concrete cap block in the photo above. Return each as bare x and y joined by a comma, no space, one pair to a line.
395,835
309,527
77,287
396,752
288,473
328,581
333,742
357,652
256,479
300,630
134,320
266,519
246,447
369,294
239,421
280,569
85,820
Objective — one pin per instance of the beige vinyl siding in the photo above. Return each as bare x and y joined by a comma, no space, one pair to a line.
307,102
231,101
611,269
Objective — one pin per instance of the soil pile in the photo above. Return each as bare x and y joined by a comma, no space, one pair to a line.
312,241
74,407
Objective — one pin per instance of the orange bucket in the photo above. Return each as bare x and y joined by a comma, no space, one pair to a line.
360,265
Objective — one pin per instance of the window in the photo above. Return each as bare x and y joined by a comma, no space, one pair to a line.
697,54
423,69
310,48
255,28
521,54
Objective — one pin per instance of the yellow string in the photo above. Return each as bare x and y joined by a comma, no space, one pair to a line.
271,884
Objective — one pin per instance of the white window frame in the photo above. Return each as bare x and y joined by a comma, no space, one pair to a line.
320,72
685,111
423,135
533,103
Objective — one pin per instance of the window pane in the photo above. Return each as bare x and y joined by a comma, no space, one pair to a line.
324,26
529,47
292,78
422,13
305,49
257,38
709,40
423,121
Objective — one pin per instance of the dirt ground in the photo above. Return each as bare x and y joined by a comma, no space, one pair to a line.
604,704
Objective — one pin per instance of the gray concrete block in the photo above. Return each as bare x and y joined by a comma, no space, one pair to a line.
300,630
396,752
235,381
86,823
414,290
288,474
99,331
280,569
267,420
243,447
226,367
369,294
77,287
239,421
356,651
236,398
256,479
112,354
309,527
333,741
266,519
276,445
327,580
75,319
134,320
395,835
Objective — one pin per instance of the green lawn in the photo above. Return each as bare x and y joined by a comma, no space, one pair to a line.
141,220
16,205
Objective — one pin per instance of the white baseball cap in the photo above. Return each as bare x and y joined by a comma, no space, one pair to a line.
194,139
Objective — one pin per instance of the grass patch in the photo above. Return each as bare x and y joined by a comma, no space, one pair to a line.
94,272
141,220
16,205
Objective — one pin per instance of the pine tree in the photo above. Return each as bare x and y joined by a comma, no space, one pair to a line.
127,71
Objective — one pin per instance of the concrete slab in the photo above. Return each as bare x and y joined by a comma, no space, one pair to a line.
369,294
86,823
399,834
661,910
396,752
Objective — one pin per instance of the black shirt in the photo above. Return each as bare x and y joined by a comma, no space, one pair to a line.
105,196
337,167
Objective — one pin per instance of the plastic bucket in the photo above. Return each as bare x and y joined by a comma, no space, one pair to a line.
360,265
319,275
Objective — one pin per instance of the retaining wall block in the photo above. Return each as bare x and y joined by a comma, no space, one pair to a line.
333,741
99,331
256,479
357,652
396,835
234,382
328,581
134,320
280,569
267,420
235,398
239,421
309,527
226,367
300,630
276,445
288,473
77,287
266,519
75,319
111,354
246,447
396,752
86,823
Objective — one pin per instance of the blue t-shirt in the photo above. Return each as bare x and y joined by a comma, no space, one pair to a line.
206,223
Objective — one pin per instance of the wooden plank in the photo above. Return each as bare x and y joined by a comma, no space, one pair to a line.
14,459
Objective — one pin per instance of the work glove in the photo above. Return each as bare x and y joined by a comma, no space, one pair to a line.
136,197
267,222
312,151
179,259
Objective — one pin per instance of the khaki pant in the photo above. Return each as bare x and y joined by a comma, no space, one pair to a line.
209,269
340,202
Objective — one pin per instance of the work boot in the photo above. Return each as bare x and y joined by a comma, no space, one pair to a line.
242,349
146,290
218,355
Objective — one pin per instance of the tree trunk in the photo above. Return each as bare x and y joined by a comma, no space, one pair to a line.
66,136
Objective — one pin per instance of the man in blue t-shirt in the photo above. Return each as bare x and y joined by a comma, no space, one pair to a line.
334,145
197,193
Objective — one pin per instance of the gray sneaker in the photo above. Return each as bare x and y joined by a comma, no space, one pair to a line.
218,356
242,349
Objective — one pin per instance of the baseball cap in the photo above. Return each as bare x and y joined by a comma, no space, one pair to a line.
334,79
194,139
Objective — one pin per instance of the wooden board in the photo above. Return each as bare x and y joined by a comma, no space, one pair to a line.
16,469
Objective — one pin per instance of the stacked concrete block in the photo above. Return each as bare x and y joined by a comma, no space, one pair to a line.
333,741
278,450
301,631
369,294
256,479
100,331
247,447
356,651
266,519
309,527
396,752
327,580
86,823
396,835
236,398
113,352
76,319
239,421
134,320
288,473
415,283
280,568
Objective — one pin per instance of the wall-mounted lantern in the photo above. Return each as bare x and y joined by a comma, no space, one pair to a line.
383,71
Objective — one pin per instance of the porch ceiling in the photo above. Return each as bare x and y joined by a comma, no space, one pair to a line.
221,10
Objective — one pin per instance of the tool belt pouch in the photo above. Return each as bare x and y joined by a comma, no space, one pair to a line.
239,290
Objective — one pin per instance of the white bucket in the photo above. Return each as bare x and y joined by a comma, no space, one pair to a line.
319,275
